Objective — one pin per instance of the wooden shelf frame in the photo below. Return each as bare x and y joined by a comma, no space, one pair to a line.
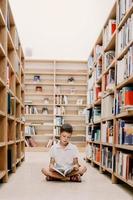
11,61
112,45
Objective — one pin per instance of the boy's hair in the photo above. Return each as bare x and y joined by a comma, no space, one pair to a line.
67,128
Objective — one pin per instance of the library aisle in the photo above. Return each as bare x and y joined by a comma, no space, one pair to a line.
29,184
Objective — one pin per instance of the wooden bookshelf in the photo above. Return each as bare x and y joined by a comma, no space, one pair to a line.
59,78
11,101
105,86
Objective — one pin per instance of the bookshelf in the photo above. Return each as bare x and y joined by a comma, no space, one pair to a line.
62,99
109,116
12,145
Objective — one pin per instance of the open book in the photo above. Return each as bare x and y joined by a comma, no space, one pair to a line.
63,170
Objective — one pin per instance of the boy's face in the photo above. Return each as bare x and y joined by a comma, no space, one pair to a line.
65,138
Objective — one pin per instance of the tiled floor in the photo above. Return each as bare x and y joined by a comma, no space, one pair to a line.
29,184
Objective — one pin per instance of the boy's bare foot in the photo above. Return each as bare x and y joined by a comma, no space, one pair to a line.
75,178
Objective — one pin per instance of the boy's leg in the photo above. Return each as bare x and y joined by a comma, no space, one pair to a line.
81,171
75,176
54,175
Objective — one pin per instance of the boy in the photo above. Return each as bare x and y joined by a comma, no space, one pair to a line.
64,153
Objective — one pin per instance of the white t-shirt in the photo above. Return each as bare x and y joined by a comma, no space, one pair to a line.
64,156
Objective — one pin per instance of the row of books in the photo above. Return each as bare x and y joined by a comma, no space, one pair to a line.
125,66
124,132
98,51
58,121
98,69
120,163
107,157
30,130
61,99
30,109
124,165
93,114
93,133
122,8
124,99
108,58
110,80
59,110
57,131
125,35
108,31
110,105
107,132
11,104
107,106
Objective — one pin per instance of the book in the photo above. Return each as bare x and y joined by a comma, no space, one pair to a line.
122,7
37,78
63,170
124,132
107,106
124,100
108,31
107,157
108,58
107,132
98,51
123,165
125,35
38,88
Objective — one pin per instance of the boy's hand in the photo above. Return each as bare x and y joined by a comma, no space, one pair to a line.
51,168
76,167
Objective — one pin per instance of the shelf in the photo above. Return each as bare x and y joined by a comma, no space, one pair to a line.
125,82
2,174
2,144
97,122
127,15
38,115
38,93
2,83
95,162
11,142
73,74
71,105
124,147
38,104
2,114
38,73
99,79
107,144
96,142
108,92
125,114
2,51
112,65
38,83
124,51
97,102
90,159
71,84
12,118
107,169
10,41
68,94
111,44
108,118
124,180
2,20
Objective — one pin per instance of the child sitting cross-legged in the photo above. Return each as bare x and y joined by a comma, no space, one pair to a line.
64,163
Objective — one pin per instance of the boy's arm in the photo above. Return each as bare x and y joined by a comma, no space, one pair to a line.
51,164
75,164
